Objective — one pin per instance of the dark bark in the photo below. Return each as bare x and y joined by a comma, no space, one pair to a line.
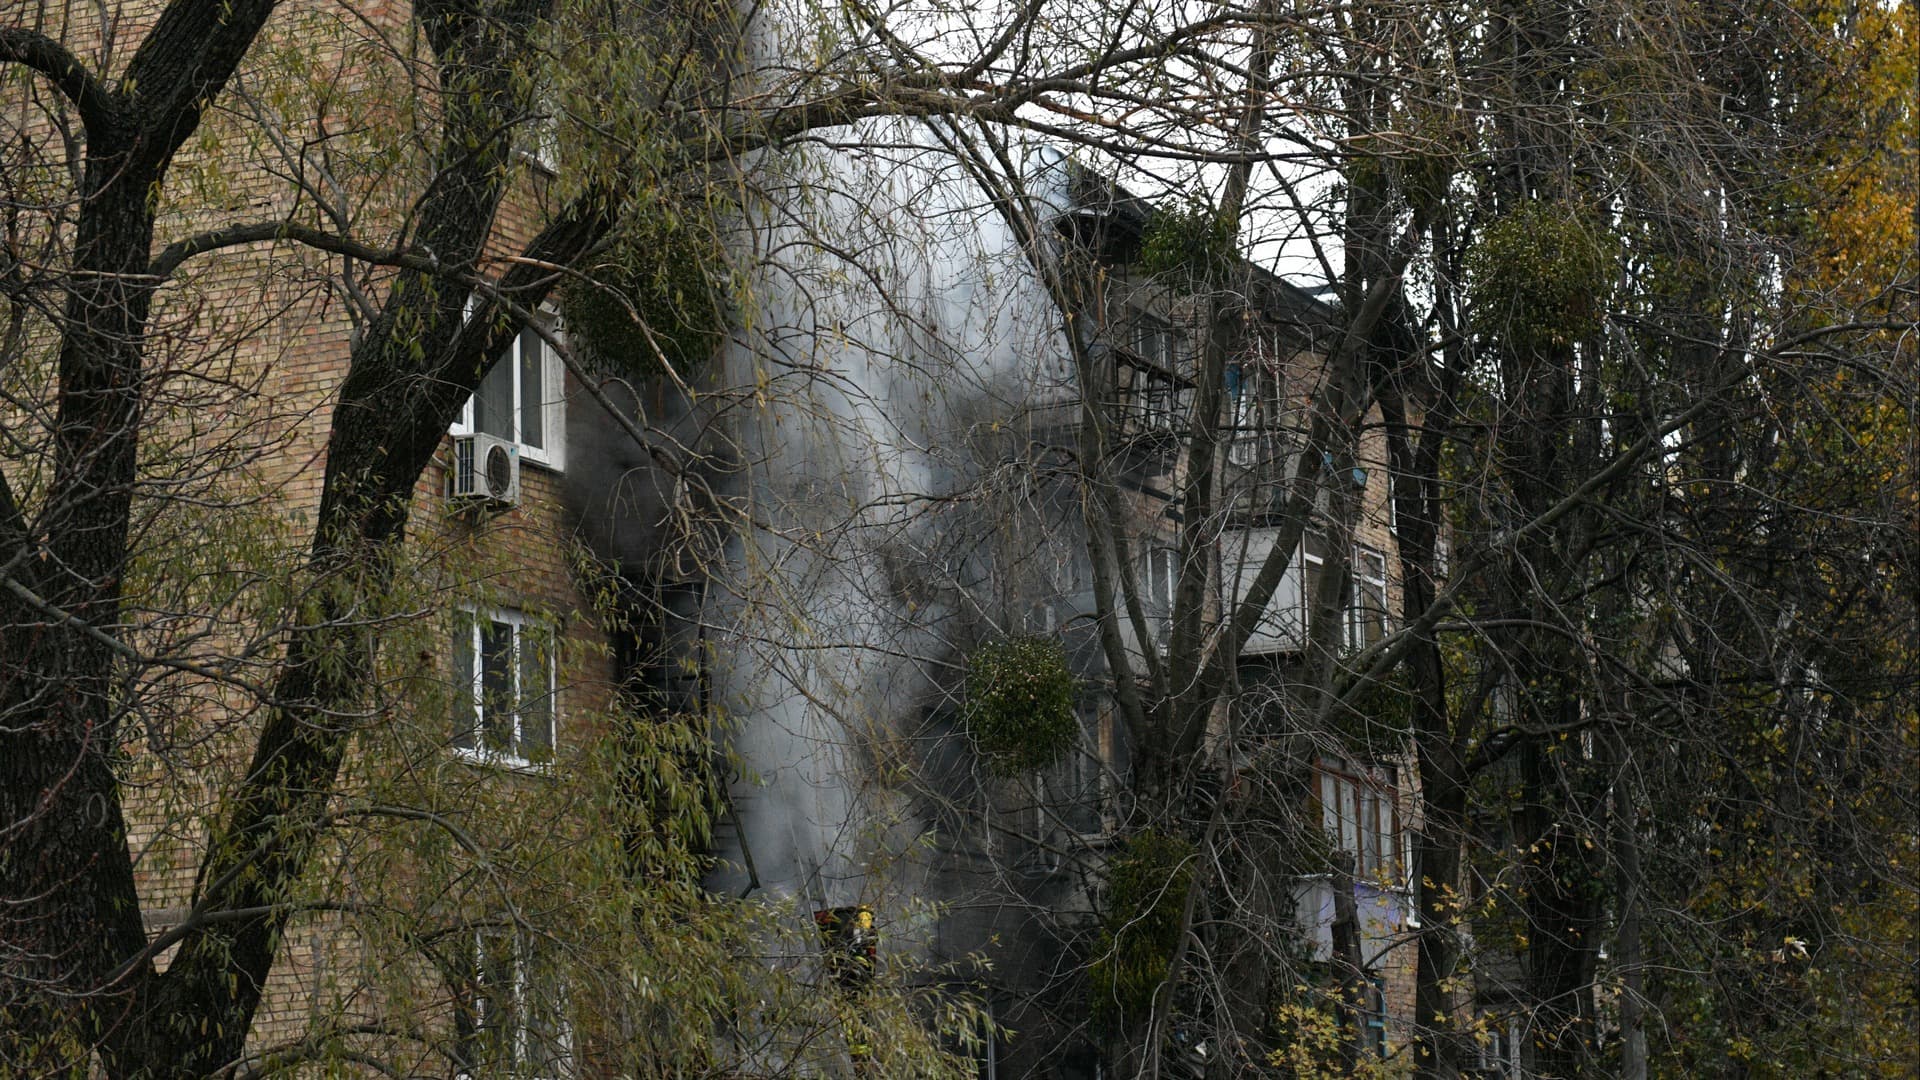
406,382
1440,1049
1630,951
65,873
78,967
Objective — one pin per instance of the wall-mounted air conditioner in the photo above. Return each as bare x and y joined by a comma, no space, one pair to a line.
485,469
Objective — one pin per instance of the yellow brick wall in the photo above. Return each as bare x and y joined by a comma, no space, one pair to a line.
249,348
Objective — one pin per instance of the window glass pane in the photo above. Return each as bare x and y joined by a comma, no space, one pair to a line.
499,1020
463,716
547,1038
1349,818
1373,598
1398,847
548,1052
1161,574
493,402
533,397
1369,832
1081,777
536,689
1329,805
468,1005
496,684
1315,547
1376,1033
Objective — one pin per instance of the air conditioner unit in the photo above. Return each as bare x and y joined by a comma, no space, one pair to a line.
485,468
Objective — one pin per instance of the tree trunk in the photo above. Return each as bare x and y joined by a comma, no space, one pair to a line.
70,942
1628,950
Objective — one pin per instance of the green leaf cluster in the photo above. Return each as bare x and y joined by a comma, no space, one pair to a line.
1539,277
1190,242
1019,704
654,294
1379,717
1145,897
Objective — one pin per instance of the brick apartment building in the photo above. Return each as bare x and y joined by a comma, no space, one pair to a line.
855,786
487,700
956,521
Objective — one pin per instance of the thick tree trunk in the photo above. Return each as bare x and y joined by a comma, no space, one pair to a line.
72,930
406,382
65,864
77,973
1439,1047
1562,906
1630,951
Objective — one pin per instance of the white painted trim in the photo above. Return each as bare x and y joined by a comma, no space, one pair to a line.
553,374
479,753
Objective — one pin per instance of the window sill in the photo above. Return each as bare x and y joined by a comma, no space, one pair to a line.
528,455
489,759
541,161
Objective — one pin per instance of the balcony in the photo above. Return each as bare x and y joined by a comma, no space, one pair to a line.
1282,626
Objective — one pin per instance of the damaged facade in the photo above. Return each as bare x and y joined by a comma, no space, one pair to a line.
904,448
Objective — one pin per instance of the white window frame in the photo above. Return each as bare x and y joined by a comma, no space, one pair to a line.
1159,582
524,995
1308,563
1151,401
1500,1048
1258,438
1245,446
1353,616
1441,549
514,755
537,139
1364,579
1151,338
553,415
1155,390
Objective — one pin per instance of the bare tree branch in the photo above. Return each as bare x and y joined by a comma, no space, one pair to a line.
98,103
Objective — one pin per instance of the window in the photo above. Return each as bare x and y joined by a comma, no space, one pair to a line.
1359,809
509,1011
1373,1016
1440,546
505,663
1499,1047
1154,393
1363,610
1367,598
1042,618
1154,340
1150,399
1073,793
1159,576
1254,398
986,1052
538,137
521,399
